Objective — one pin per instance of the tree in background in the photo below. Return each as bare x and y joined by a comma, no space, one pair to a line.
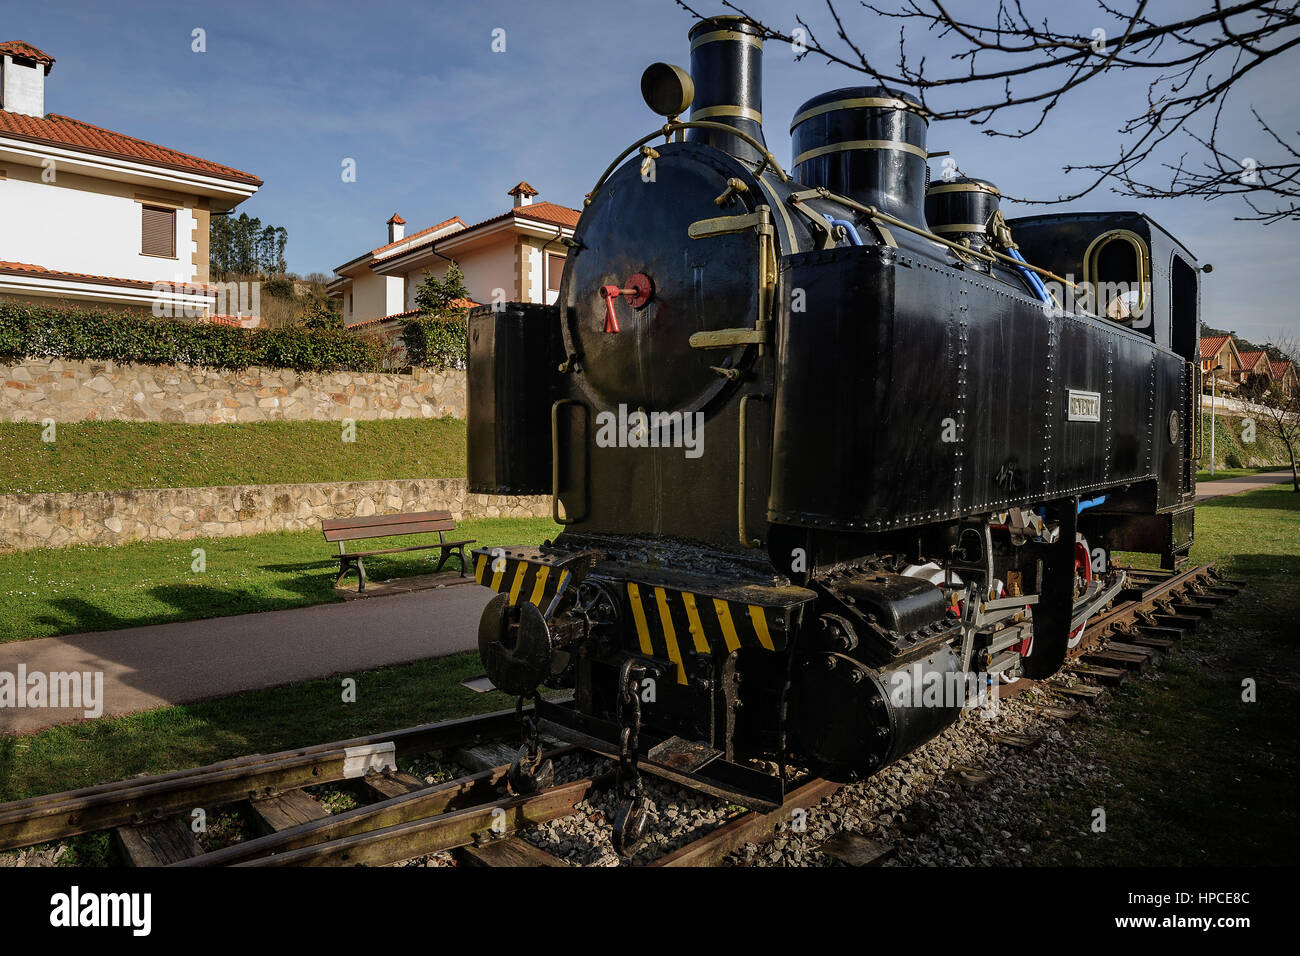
1282,409
437,336
444,297
243,246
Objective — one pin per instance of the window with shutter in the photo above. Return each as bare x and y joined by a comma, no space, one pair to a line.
554,270
158,232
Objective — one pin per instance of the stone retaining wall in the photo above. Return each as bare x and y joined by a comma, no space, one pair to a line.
117,517
72,391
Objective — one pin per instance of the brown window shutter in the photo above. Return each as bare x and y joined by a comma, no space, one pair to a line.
158,232
554,270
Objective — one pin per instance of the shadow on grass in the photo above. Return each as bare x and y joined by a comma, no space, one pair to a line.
188,602
1281,498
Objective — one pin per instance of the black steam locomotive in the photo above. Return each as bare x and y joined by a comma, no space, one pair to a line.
821,442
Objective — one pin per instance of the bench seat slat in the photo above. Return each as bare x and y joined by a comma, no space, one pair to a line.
414,547
388,531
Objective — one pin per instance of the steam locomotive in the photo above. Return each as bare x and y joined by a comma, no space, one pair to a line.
820,441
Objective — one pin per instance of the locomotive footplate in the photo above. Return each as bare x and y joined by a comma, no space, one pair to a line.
720,778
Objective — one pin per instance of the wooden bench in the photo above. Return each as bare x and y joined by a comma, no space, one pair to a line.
385,526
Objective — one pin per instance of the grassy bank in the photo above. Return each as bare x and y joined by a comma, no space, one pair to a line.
107,456
264,721
1197,775
1236,447
68,590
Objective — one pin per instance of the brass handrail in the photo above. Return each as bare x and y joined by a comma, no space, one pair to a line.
673,126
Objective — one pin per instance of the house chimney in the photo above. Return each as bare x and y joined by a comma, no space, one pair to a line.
523,194
23,69
396,228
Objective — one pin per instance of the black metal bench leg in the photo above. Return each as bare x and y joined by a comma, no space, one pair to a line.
463,572
442,559
345,565
361,572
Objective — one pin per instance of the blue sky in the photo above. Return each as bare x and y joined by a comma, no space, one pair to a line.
440,125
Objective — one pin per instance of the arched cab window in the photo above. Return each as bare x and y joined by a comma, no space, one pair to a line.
1117,268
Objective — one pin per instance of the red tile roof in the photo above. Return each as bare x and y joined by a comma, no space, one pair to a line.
416,235
548,212
65,131
1281,368
397,219
1249,360
27,52
25,268
1210,345
523,189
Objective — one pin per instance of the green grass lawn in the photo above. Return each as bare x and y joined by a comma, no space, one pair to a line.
263,721
1221,473
67,590
1197,775
106,456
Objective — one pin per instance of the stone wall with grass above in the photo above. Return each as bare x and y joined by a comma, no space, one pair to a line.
35,389
117,517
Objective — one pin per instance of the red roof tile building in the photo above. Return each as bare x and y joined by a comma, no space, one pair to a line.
1221,350
88,214
517,256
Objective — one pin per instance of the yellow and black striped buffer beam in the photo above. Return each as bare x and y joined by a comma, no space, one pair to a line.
525,579
678,624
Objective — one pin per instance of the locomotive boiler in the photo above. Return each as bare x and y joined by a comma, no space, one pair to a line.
824,443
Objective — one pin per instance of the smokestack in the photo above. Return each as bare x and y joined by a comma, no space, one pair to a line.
396,228
867,143
727,70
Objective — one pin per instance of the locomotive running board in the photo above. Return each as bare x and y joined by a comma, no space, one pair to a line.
748,788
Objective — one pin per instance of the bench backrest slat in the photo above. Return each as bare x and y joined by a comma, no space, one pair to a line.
382,526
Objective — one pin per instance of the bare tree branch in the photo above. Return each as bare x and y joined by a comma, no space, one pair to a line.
1011,63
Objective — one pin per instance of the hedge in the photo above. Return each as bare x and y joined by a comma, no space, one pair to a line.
436,341
28,330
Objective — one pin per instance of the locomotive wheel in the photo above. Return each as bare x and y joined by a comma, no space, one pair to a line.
630,824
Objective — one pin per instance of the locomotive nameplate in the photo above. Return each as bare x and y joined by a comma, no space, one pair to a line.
1083,407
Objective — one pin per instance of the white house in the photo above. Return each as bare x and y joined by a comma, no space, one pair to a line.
91,215
517,256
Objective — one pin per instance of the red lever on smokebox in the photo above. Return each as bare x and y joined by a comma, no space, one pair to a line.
639,290
610,293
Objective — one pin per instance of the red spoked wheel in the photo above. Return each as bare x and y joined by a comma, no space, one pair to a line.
1082,578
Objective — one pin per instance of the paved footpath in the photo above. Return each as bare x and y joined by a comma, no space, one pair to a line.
1238,486
146,667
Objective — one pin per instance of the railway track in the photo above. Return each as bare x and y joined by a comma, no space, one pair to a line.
401,817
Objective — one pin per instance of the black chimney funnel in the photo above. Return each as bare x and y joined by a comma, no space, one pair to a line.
727,69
